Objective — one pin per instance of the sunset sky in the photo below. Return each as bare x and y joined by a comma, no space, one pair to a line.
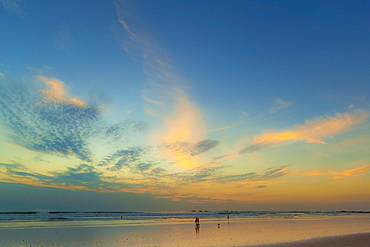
180,105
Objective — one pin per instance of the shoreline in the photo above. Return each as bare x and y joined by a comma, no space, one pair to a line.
60,223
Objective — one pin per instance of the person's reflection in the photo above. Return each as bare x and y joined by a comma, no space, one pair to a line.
197,225
197,229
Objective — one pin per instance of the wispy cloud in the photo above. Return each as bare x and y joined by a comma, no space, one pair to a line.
214,174
268,174
125,158
50,121
185,154
260,186
86,177
312,132
181,135
83,176
356,172
12,166
210,183
353,173
164,95
14,7
227,127
255,147
189,149
280,104
198,174
198,200
310,173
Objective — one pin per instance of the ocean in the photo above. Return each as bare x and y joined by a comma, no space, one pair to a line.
42,216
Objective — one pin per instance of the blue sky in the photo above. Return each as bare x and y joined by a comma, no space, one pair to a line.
218,104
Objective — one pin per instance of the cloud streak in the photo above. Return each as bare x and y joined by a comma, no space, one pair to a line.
311,132
189,149
124,158
280,104
268,174
351,173
164,95
83,177
213,174
185,154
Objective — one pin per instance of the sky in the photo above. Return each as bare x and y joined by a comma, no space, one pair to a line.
181,105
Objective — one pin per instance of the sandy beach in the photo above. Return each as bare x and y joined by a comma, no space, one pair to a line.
353,240
322,231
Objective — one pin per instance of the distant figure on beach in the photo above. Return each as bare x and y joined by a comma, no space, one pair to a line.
197,221
218,224
228,217
197,225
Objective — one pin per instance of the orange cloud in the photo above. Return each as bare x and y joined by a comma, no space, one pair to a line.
314,131
355,172
57,92
310,173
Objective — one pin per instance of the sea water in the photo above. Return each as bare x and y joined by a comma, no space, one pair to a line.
35,216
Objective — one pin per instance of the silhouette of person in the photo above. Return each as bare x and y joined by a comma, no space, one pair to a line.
197,225
197,220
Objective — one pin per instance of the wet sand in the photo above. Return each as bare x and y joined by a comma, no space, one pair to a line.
355,240
319,231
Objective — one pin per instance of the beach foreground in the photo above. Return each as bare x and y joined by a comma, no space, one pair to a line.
353,240
322,231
